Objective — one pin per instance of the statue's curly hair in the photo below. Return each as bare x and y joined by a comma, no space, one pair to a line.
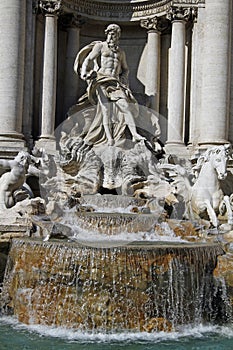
113,27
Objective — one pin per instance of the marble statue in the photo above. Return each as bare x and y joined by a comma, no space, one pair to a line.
108,88
206,194
110,145
13,179
204,198
106,133
161,184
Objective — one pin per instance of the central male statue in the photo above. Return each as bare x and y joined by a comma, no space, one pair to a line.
103,66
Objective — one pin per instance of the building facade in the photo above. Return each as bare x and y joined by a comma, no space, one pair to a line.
179,54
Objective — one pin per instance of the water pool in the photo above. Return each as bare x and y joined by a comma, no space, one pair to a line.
16,336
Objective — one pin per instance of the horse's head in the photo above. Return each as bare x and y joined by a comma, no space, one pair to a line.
219,156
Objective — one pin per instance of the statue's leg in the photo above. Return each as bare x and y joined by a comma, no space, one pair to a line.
130,112
2,199
105,106
226,200
211,213
9,200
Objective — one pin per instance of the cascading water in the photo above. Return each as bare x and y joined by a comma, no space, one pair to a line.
140,286
116,223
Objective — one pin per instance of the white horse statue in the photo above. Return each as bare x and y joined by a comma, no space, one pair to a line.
206,194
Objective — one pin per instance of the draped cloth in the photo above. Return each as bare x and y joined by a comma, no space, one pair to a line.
113,90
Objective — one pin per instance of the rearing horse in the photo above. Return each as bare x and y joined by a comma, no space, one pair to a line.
206,194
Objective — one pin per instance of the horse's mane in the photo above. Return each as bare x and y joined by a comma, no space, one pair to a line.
205,157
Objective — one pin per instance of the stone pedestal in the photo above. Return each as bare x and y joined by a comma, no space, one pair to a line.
214,116
12,42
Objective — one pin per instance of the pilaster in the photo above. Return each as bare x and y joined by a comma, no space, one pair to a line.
214,116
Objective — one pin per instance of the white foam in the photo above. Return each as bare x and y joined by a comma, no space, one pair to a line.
190,331
83,236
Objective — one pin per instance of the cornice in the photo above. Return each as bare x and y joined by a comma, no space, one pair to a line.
124,10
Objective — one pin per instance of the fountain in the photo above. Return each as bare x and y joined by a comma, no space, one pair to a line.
123,236
136,287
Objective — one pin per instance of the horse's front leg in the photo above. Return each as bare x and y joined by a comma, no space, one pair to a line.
211,213
225,206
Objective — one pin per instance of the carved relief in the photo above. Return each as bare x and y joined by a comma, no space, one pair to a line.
158,24
50,7
178,13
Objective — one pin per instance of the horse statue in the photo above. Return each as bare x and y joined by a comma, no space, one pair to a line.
206,194
205,197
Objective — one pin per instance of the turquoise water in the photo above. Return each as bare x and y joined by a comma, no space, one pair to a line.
15,336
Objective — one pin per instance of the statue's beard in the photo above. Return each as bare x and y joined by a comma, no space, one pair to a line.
112,45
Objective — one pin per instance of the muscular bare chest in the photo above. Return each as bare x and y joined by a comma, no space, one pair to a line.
110,56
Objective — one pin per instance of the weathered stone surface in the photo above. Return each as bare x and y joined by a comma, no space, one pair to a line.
224,269
158,324
184,229
224,274
138,287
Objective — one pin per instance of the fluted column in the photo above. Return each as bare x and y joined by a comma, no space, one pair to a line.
176,80
230,136
214,116
73,46
51,10
29,73
12,43
197,75
152,87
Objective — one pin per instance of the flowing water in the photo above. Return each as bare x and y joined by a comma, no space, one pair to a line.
133,297
142,287
16,336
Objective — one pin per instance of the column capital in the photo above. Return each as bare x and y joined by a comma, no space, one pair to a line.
179,13
50,7
157,24
150,23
